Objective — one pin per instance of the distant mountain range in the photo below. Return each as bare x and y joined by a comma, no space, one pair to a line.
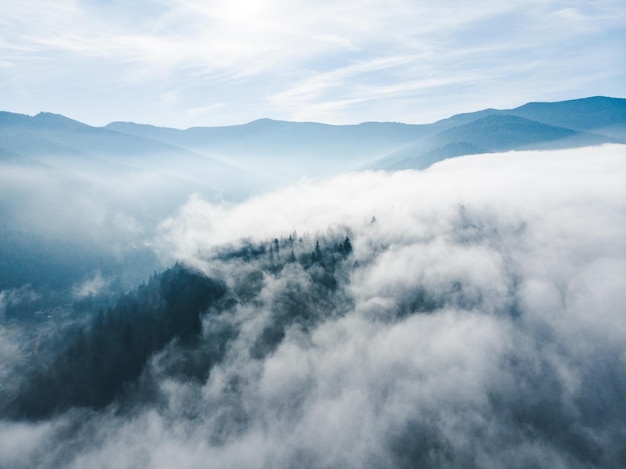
280,151
564,124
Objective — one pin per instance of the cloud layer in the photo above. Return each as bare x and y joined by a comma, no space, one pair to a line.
477,323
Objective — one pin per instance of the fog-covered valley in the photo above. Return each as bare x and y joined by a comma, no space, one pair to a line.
280,234
167,303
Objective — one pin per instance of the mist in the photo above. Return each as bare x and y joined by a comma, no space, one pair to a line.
476,320
67,220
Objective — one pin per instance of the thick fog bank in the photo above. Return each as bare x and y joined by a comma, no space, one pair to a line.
476,320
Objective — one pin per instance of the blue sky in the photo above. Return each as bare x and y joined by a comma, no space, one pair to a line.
191,62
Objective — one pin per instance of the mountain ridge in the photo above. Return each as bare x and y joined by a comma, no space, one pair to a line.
285,151
606,101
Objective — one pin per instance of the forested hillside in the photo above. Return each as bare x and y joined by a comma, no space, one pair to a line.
101,360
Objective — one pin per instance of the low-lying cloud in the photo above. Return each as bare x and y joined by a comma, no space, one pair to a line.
477,322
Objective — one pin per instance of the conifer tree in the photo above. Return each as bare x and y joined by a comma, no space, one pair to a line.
347,246
318,252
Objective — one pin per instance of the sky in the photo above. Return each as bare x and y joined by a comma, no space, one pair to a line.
183,63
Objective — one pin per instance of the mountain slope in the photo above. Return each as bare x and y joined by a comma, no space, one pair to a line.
592,121
98,364
53,140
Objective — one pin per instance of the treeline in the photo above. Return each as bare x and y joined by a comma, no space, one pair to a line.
102,361
292,249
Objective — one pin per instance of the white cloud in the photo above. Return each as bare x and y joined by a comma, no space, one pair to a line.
91,286
514,363
434,196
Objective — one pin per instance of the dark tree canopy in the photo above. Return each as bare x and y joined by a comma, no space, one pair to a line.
100,360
